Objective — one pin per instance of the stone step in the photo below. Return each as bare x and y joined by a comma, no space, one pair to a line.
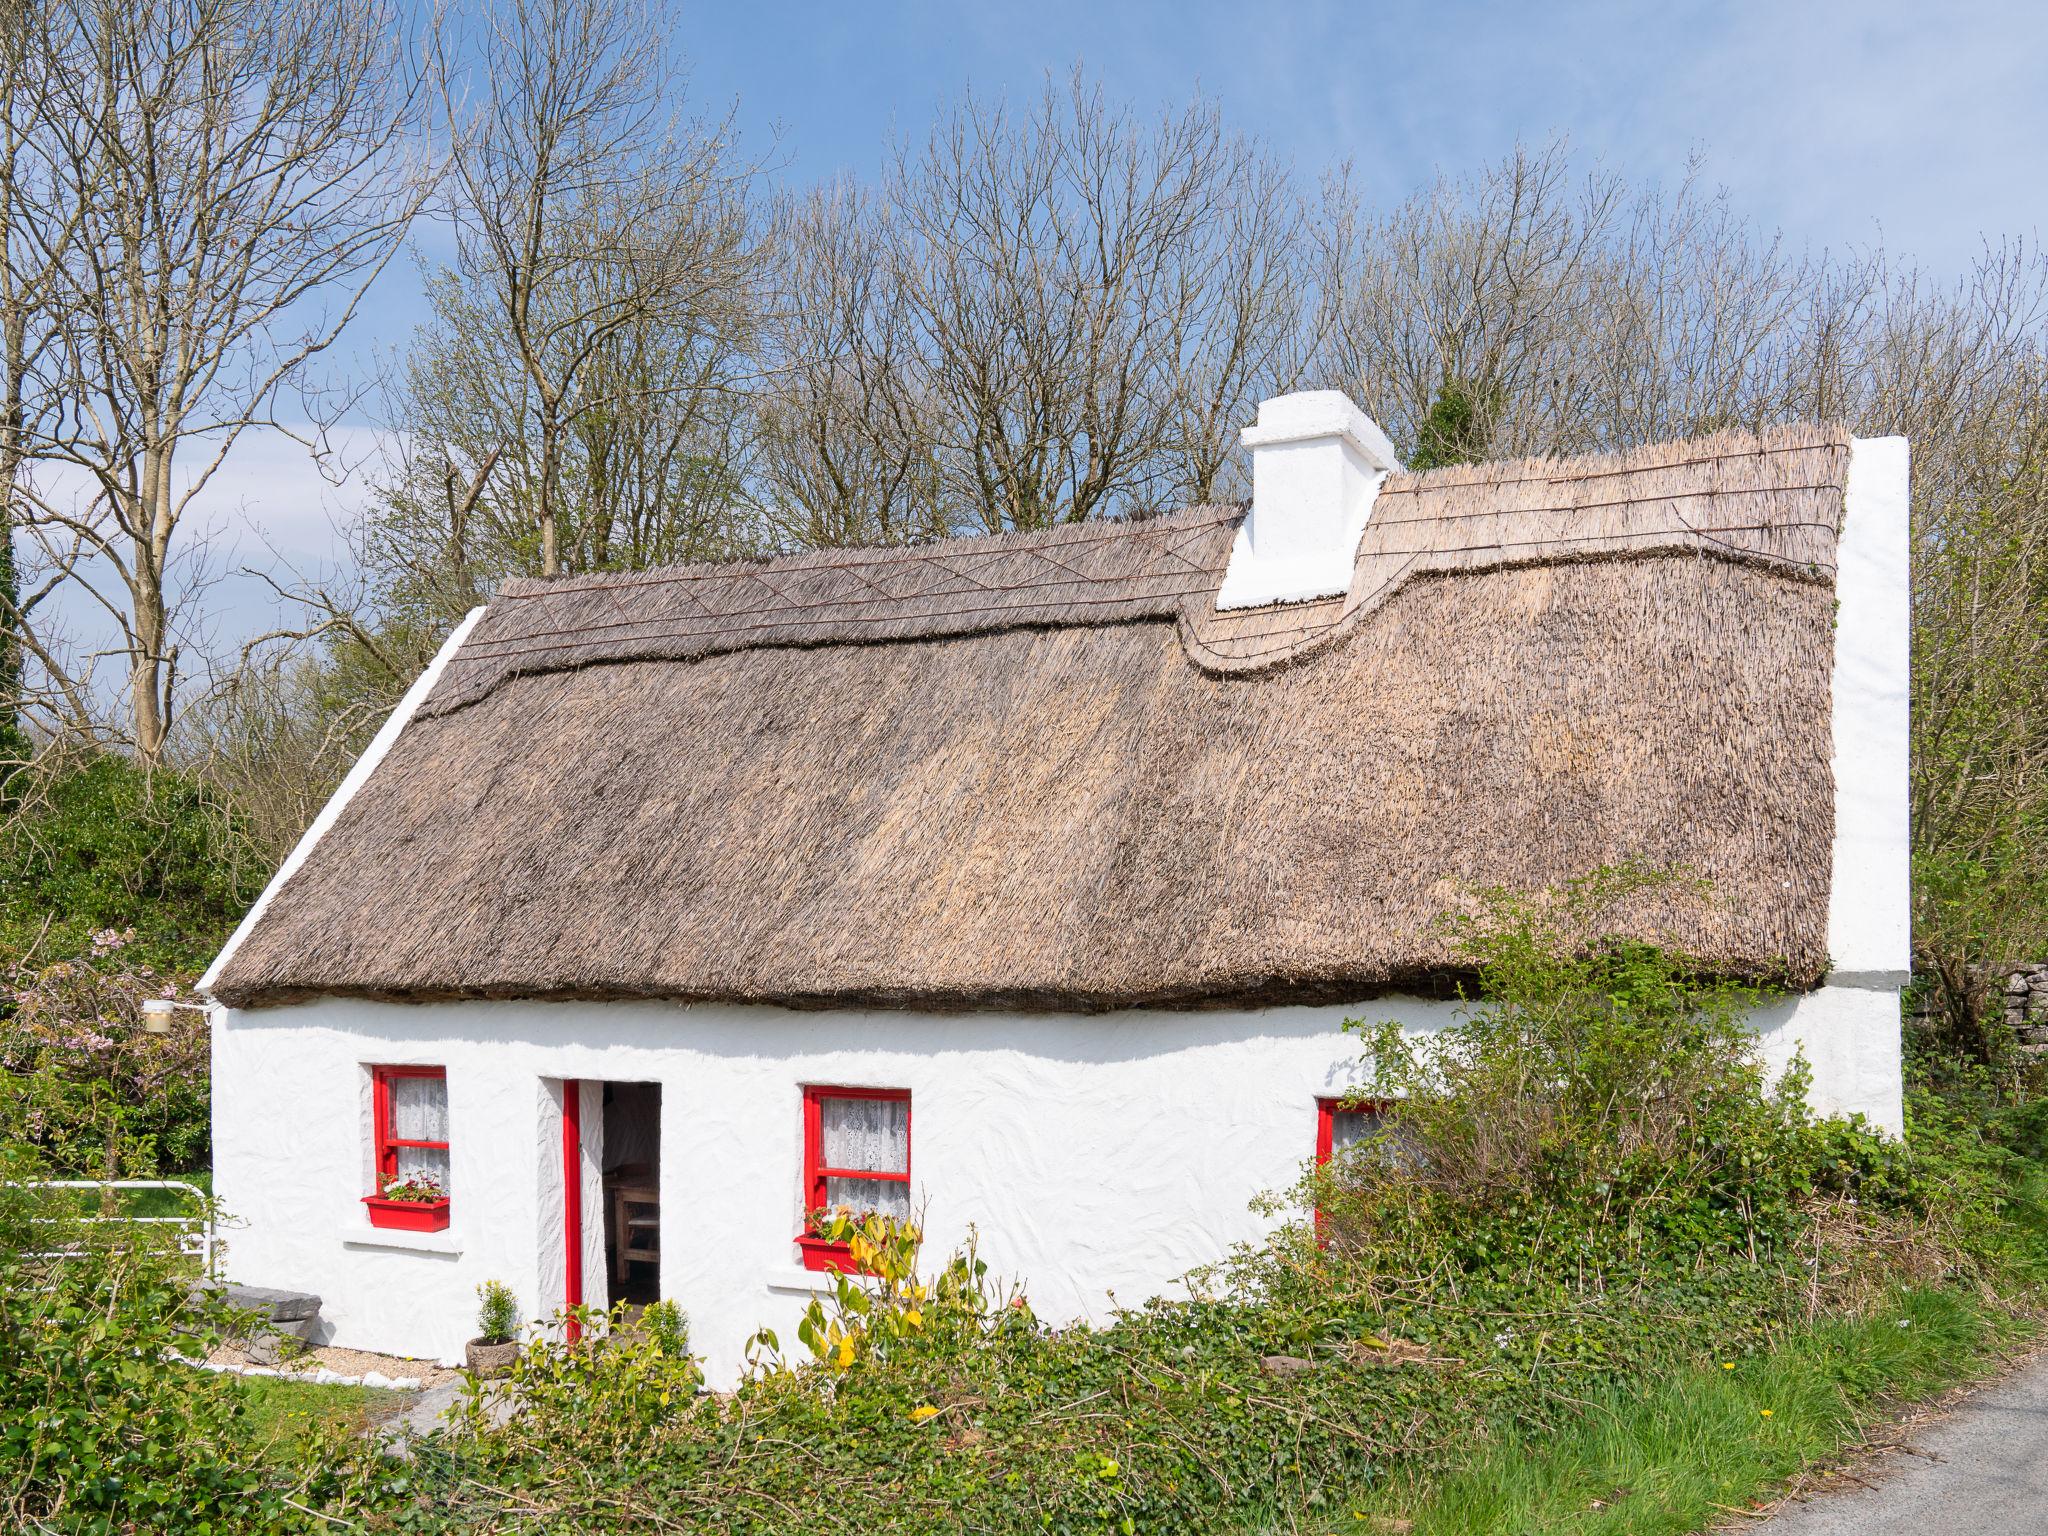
284,1322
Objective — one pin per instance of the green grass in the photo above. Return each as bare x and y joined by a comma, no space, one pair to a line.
169,1202
1677,1454
278,1408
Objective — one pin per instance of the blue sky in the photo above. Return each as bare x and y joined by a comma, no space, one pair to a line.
1833,121
1840,124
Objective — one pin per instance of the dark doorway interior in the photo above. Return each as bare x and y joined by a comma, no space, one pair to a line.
632,1192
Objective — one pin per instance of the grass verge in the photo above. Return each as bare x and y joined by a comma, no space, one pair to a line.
1710,1440
276,1408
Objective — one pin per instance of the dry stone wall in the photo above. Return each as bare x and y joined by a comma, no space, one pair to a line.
2026,1008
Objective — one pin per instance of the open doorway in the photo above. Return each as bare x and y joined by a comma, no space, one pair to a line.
632,1193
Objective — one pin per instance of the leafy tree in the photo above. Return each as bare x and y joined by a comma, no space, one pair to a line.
1454,431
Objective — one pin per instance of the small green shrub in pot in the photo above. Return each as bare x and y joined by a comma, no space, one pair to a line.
497,1318
496,1346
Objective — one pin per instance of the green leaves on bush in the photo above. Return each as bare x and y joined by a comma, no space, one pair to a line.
101,844
101,1428
1598,1108
84,1084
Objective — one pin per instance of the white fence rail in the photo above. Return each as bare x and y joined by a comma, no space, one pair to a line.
196,1237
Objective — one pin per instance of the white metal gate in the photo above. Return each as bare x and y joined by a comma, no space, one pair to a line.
195,1235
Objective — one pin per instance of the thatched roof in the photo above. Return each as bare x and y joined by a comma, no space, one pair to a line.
1043,770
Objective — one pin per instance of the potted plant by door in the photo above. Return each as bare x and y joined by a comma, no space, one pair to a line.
412,1202
496,1345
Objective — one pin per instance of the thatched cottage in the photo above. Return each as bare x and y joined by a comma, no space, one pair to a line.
1028,880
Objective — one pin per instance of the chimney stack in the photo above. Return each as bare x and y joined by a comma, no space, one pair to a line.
1317,464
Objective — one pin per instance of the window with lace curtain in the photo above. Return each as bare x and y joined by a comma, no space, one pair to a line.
856,1156
410,1122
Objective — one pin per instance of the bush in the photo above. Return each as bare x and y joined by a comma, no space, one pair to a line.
85,1085
115,886
615,1386
1601,1111
101,1430
100,844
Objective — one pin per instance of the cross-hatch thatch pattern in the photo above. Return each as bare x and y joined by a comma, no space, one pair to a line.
1043,771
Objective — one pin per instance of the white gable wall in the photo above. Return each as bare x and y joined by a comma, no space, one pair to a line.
1096,1155
1870,894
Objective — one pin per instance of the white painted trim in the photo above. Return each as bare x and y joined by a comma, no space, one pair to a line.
444,1241
1870,892
338,802
811,1282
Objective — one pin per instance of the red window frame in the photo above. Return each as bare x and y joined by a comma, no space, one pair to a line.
388,1143
818,1253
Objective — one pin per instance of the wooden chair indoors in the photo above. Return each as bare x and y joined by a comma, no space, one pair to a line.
636,1217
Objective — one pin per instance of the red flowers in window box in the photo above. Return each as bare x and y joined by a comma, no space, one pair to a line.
407,1215
413,1202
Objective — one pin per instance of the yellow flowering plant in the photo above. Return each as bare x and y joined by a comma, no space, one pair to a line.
885,1306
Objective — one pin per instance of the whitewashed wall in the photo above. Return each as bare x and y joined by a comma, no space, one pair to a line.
1098,1156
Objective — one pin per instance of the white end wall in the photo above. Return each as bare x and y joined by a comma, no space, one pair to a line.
1099,1157
1870,894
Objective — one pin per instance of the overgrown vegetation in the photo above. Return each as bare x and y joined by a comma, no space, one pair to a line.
100,1429
115,887
1589,1181
97,843
86,1085
1588,1191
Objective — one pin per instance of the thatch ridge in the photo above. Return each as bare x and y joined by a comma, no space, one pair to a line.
1042,771
1771,498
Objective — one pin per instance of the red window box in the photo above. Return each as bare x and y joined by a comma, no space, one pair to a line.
825,1257
407,1215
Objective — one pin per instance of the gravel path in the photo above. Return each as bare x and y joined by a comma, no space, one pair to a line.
1981,1469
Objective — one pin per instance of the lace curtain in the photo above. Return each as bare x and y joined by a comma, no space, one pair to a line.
1348,1127
419,1112
872,1134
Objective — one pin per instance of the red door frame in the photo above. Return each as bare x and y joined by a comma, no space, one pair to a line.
572,1200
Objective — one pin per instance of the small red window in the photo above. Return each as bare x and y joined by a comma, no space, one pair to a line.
1344,1122
1341,1123
856,1155
410,1115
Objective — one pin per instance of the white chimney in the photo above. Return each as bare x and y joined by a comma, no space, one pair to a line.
1317,464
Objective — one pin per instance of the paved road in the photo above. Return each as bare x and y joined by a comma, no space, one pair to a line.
1982,1470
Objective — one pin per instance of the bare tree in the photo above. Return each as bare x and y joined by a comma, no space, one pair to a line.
25,269
847,449
1247,326
603,251
214,184
1532,309
1092,300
